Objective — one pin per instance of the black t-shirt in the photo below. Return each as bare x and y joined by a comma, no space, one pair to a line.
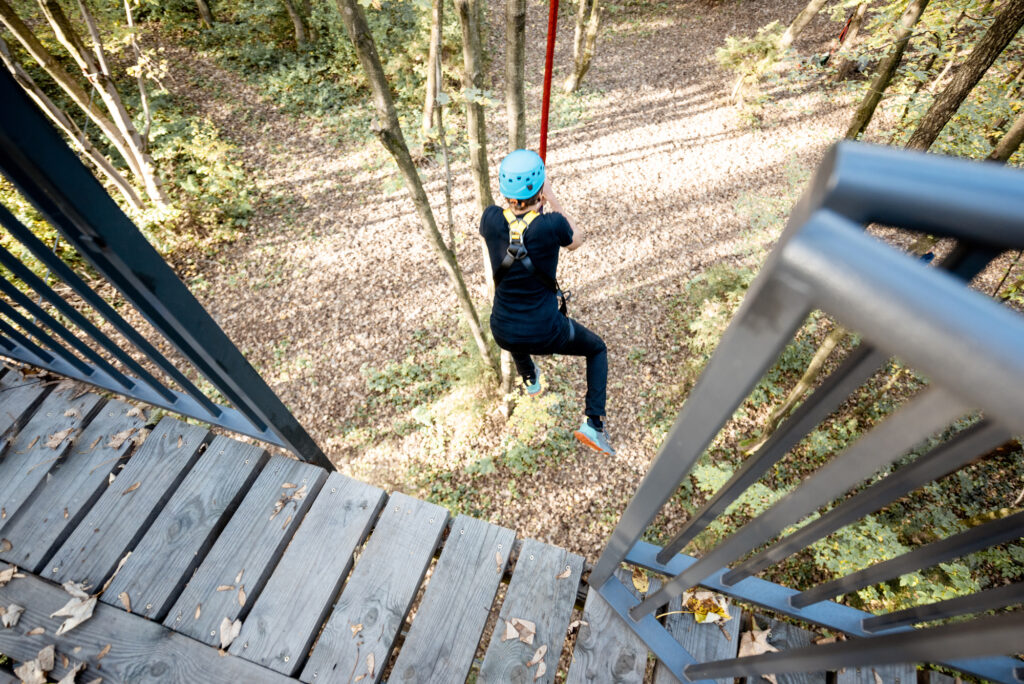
524,310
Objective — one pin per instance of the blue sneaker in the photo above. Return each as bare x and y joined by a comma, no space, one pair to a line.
536,389
594,438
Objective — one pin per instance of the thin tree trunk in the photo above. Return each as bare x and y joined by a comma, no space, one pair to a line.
77,94
205,15
515,68
298,23
389,132
886,70
433,65
139,75
918,87
1005,26
849,40
1010,141
307,14
70,129
473,82
800,22
92,67
584,43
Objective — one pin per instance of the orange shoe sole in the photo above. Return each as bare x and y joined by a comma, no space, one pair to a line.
586,441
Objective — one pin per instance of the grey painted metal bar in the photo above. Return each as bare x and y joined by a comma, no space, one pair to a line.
1001,597
40,251
16,339
22,300
974,441
828,614
765,322
44,170
855,370
43,338
917,420
980,537
46,292
984,636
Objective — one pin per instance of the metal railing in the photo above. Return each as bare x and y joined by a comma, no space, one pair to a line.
970,348
65,340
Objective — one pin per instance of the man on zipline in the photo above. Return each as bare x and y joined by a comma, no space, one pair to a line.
528,316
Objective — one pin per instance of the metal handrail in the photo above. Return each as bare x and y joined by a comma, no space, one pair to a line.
35,159
969,346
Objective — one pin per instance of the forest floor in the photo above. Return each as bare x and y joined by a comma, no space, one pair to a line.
341,305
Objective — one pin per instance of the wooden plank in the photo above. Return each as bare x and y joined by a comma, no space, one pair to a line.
445,633
41,443
290,609
20,395
76,482
379,592
607,650
6,678
247,550
540,594
933,677
879,674
784,637
127,507
117,646
705,642
172,548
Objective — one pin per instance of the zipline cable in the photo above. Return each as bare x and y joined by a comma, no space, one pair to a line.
549,58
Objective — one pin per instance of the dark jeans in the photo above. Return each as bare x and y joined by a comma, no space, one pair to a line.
572,340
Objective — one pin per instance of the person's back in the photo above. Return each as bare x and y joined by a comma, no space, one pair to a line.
523,244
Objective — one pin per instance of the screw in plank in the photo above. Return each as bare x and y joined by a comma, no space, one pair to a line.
55,569
531,556
333,490
149,606
245,645
286,659
213,633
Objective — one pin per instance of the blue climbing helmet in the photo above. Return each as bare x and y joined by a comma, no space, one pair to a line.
521,174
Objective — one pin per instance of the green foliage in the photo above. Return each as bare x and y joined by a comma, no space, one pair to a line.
539,433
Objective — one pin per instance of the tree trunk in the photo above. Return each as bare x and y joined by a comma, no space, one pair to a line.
77,94
70,129
1005,26
1010,141
298,23
515,68
849,40
886,70
139,75
473,82
433,65
307,14
799,23
389,132
92,67
205,15
584,42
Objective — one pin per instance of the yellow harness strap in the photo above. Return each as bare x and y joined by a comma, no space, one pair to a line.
517,225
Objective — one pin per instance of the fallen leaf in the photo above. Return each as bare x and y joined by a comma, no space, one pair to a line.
73,413
64,660
541,669
3,513
497,560
288,485
136,412
356,629
76,589
370,664
300,494
47,658
95,442
229,631
538,656
526,630
120,564
199,607
126,600
69,678
238,579
65,512
119,438
7,574
30,673
564,574
359,678
181,441
110,479
575,624
241,596
11,615
755,642
131,489
640,580
103,652
226,587
35,631
30,445
510,631
286,522
54,440
878,679
76,611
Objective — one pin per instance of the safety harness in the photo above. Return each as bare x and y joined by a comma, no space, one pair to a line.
516,251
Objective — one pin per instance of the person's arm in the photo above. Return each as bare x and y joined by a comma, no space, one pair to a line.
552,201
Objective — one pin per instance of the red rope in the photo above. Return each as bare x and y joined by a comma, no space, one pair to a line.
549,59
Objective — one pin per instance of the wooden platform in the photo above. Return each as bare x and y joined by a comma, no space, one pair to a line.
187,538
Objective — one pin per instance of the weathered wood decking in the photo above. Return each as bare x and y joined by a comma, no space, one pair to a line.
179,531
